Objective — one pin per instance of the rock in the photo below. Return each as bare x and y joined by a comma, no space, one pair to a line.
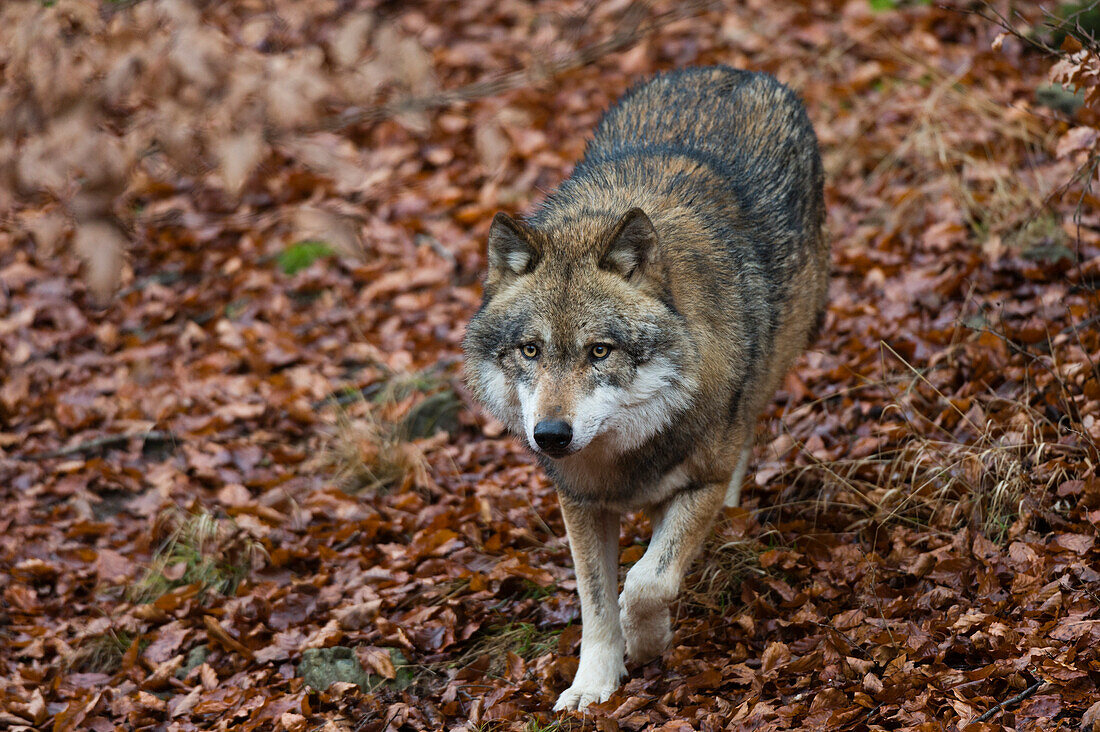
437,412
1060,99
195,658
322,667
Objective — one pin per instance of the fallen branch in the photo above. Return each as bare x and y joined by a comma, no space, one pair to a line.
1029,691
632,27
849,641
345,397
221,636
101,443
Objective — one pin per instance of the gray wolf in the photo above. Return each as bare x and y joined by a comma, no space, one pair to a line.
635,326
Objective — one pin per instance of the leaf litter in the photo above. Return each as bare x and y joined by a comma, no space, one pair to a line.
234,433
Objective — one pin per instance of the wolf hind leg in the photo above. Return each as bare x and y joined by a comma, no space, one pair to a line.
733,491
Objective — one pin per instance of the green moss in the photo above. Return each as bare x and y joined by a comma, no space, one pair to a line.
302,254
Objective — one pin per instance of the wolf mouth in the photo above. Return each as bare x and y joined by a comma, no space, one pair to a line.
558,453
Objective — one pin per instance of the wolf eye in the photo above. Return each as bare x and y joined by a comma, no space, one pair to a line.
529,350
600,351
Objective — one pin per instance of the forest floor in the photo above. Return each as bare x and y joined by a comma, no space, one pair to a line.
260,444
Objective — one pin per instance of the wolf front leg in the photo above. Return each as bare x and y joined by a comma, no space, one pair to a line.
594,542
679,528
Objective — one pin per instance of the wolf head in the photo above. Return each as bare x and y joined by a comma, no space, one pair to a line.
577,340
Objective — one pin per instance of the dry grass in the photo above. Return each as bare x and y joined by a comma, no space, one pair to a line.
101,654
1001,199
525,640
941,484
399,387
199,549
965,157
377,443
726,561
365,454
927,483
996,197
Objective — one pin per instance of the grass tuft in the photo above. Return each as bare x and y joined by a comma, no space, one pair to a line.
995,201
980,479
101,653
534,724
200,549
930,484
400,386
525,640
378,443
728,560
367,455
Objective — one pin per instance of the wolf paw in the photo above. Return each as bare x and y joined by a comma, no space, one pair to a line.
647,635
580,696
596,680
644,614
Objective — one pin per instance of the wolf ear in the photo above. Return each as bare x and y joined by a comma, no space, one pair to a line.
632,245
512,249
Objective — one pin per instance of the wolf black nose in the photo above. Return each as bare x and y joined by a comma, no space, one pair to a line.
553,434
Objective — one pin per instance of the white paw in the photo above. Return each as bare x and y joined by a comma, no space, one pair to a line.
644,615
597,678
580,695
647,633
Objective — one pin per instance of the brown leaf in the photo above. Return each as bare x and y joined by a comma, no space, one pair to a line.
183,703
169,638
492,146
339,232
48,229
1077,543
1076,140
405,59
292,722
350,41
872,684
100,245
208,676
1072,628
1090,720
775,655
221,636
33,710
238,155
379,660
112,567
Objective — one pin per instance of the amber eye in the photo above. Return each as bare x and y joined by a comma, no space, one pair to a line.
600,351
529,350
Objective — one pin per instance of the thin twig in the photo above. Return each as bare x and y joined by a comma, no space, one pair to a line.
1074,327
1029,691
855,646
345,397
107,441
632,27
108,10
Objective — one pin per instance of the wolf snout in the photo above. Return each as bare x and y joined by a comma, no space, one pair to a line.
553,435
